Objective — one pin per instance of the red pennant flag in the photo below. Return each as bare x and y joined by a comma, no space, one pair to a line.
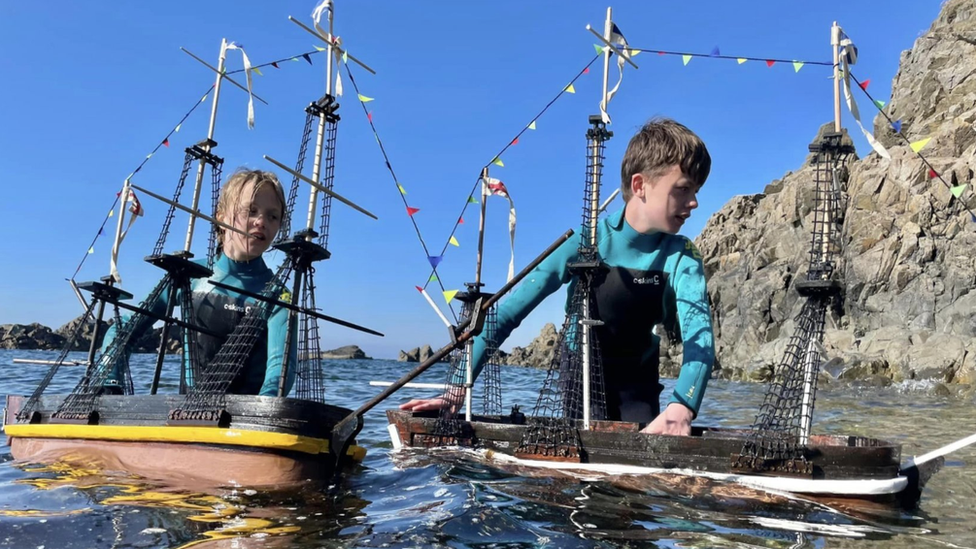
369,116
864,85
411,211
515,141
660,53
770,62
275,64
166,142
932,174
460,221
419,289
586,70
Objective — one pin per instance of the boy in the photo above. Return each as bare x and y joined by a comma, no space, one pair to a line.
653,276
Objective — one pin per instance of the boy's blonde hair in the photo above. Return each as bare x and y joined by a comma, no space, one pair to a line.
230,195
660,144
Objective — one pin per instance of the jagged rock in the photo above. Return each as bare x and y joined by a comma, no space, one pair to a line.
347,352
539,353
83,340
424,353
29,336
906,262
413,355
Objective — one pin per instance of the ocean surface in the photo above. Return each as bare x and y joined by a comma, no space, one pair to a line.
413,499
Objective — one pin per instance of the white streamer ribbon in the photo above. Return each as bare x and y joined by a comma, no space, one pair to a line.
491,186
616,38
247,74
135,209
848,56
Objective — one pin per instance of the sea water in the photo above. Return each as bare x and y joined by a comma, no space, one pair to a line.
413,499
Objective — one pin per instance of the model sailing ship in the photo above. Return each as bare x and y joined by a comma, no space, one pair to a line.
205,432
567,429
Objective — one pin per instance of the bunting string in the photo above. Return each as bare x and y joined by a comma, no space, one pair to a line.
770,61
915,146
165,143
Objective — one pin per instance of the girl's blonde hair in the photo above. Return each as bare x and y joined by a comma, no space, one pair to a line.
230,195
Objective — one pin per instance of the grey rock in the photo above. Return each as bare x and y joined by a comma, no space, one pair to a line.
347,352
539,353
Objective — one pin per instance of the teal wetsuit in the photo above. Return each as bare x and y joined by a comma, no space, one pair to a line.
219,311
649,279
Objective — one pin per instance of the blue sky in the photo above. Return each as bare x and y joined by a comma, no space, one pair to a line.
90,88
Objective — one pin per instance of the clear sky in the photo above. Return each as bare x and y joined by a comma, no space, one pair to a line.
88,89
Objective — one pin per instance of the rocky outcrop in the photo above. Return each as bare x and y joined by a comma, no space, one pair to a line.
907,263
39,337
417,354
29,336
348,352
539,353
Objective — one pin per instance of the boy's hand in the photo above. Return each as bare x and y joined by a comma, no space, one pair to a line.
674,420
451,399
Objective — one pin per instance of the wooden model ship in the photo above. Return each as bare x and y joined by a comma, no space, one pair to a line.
564,430
205,433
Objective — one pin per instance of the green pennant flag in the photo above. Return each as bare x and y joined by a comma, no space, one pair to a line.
957,190
498,162
471,200
879,103
433,278
598,48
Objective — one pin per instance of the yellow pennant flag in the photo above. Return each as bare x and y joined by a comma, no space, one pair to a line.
91,250
920,144
318,48
402,190
633,53
532,125
365,99
111,213
570,89
498,162
797,65
741,60
178,126
345,58
686,58
256,71
204,98
454,242
449,295
957,190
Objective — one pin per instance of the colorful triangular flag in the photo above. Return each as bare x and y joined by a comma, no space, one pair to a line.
864,85
294,59
449,295
166,142
454,242
958,189
741,60
411,211
256,71
770,62
633,53
686,59
598,48
880,104
570,89
532,125
275,64
933,174
586,70
178,126
307,58
460,221
369,116
434,260
318,48
433,278
345,57
111,213
896,125
515,141
204,98
498,162
419,289
402,190
365,99
920,144
797,65
715,52
471,200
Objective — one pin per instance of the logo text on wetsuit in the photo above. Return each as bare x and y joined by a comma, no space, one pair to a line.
655,280
236,308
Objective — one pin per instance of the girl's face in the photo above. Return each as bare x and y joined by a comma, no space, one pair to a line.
257,214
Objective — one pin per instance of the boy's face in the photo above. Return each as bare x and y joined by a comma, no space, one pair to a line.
662,203
257,214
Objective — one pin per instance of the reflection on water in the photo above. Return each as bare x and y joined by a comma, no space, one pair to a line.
413,499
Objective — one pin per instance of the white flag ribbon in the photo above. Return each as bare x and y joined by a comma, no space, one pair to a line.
617,39
135,210
848,56
491,186
247,74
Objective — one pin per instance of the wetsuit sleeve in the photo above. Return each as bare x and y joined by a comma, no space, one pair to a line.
538,285
277,330
695,320
142,325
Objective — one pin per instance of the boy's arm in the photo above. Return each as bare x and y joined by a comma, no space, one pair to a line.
695,318
539,284
277,331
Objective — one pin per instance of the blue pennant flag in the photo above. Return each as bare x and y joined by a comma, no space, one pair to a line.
435,260
715,52
897,126
307,58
